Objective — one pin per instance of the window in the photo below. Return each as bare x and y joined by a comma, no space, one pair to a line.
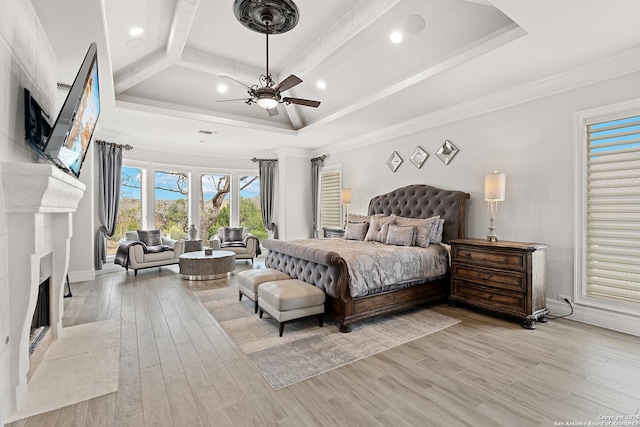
130,208
330,207
171,191
185,195
250,214
214,198
610,205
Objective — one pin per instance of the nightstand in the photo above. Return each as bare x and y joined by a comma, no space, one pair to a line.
333,233
503,277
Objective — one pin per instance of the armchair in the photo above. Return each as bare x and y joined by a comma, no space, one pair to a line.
238,240
147,248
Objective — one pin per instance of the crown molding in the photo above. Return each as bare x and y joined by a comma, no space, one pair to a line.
611,67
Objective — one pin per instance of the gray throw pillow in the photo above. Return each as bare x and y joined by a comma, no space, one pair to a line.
232,234
423,228
435,236
356,231
150,237
401,235
355,218
379,228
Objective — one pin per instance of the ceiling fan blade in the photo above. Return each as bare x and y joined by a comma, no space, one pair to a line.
235,99
273,112
300,101
288,83
236,81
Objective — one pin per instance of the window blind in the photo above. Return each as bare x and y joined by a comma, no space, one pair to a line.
330,209
613,209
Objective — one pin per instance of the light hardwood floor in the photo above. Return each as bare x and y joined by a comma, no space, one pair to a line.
178,368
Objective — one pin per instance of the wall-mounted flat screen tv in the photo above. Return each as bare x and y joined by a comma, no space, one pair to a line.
71,134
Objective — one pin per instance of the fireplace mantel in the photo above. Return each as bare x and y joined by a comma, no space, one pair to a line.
39,188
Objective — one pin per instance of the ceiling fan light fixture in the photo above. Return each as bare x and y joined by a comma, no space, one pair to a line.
267,103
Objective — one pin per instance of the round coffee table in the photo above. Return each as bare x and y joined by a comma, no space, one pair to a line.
198,266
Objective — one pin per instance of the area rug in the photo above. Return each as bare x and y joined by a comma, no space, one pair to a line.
82,364
306,350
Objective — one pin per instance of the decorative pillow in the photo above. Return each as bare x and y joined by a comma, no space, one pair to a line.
401,235
435,236
150,237
423,228
355,218
232,234
356,231
379,228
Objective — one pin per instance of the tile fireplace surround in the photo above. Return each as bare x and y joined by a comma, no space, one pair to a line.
39,200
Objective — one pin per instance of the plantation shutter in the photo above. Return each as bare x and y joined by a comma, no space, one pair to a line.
330,213
613,209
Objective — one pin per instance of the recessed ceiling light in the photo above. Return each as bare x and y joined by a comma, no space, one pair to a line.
396,37
136,31
321,84
222,88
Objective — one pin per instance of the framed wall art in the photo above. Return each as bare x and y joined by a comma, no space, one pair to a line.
447,152
418,157
394,161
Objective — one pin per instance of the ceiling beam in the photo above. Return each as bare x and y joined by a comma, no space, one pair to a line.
181,24
141,70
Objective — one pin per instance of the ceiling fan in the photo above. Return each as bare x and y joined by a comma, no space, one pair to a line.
269,17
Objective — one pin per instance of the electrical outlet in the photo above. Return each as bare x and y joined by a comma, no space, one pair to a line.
561,298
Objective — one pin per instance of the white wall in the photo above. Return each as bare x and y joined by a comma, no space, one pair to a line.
26,60
533,143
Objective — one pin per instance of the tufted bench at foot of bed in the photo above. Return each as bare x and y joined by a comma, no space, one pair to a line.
287,300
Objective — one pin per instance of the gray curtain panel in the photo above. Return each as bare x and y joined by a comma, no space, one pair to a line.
316,170
267,189
109,176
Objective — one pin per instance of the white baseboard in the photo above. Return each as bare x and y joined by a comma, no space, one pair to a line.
607,319
81,276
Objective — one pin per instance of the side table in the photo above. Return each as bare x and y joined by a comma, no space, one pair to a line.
333,233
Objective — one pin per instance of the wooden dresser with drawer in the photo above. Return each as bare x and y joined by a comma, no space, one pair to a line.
503,277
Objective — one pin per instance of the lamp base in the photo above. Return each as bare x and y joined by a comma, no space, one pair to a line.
492,238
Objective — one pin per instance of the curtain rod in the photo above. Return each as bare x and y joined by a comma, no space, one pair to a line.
324,156
263,160
113,144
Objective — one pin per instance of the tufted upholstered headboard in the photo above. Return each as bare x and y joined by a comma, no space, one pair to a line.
424,201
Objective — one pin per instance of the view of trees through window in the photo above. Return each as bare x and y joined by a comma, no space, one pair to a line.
130,208
171,191
171,214
250,215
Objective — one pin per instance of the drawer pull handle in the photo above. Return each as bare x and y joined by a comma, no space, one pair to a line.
487,277
486,296
505,259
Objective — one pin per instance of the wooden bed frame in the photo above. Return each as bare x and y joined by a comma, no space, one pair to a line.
328,270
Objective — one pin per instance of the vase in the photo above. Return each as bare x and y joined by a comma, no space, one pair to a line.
193,232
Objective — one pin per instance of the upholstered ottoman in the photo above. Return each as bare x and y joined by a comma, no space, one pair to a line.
287,300
249,280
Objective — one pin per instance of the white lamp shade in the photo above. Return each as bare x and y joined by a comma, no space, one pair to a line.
345,195
494,186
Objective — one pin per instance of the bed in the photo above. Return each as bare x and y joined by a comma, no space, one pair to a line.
319,265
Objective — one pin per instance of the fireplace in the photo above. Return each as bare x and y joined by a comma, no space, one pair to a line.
40,321
39,200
